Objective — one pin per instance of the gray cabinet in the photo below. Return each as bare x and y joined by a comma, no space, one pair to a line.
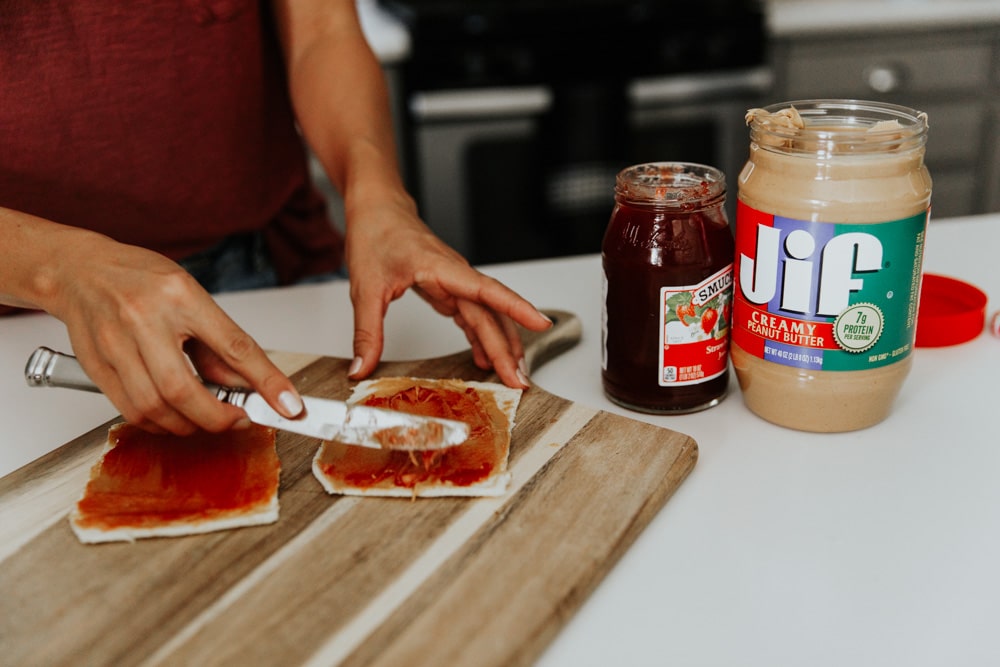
952,74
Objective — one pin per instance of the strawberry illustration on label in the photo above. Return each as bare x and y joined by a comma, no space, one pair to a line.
708,319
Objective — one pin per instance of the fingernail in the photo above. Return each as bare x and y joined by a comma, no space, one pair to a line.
242,424
355,366
522,372
291,402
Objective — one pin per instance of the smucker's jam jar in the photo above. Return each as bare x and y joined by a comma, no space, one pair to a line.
831,214
668,262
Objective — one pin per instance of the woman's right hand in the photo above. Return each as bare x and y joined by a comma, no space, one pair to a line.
141,326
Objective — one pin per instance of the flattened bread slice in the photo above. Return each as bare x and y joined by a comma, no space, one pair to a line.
147,485
477,467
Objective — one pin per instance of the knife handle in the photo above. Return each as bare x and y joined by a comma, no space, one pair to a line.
48,368
233,395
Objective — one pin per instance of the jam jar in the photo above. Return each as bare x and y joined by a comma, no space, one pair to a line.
667,256
831,213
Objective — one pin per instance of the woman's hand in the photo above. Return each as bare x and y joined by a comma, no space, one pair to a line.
389,250
345,119
140,327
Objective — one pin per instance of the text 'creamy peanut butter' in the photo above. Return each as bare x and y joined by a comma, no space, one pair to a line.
832,210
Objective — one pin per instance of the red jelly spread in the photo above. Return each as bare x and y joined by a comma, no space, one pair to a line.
473,461
146,480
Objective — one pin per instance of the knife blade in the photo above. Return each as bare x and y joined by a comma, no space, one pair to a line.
324,418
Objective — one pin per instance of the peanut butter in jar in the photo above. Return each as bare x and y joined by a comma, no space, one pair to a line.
832,209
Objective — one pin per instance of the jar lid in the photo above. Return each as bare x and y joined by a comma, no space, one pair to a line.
951,312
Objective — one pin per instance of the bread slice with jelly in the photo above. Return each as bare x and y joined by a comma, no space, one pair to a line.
149,485
477,467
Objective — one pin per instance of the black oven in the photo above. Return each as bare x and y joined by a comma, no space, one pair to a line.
517,115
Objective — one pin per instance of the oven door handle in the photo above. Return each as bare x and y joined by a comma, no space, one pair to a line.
480,103
700,87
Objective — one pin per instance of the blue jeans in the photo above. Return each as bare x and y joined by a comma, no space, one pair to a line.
238,263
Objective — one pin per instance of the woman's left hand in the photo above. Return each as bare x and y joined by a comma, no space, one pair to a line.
389,250
341,102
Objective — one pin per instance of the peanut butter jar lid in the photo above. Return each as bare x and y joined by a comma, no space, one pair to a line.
951,312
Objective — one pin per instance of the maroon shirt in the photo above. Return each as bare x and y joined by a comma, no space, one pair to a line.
162,123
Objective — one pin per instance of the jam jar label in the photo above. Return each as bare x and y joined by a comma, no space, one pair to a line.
694,330
826,296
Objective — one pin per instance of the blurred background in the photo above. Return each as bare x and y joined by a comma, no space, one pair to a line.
513,116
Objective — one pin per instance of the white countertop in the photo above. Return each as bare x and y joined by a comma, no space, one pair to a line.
879,547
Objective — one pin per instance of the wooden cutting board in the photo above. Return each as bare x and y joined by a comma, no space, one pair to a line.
343,580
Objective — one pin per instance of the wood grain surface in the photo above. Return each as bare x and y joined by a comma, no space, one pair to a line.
344,580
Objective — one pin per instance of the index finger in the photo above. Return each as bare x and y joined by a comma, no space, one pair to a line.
369,335
240,352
